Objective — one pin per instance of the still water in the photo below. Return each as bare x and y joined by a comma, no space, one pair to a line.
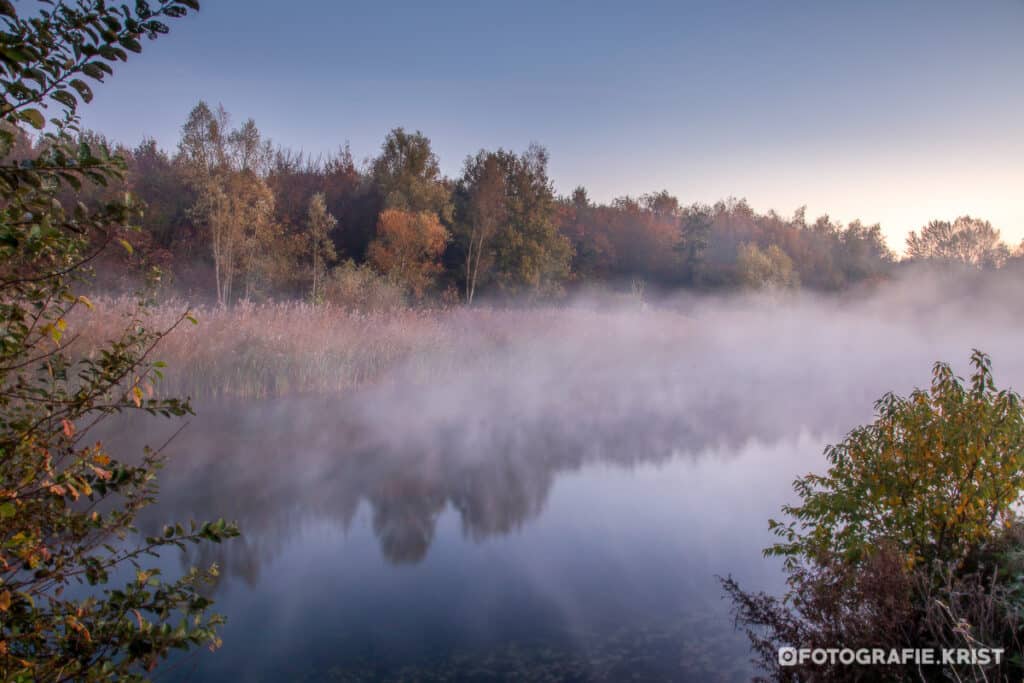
553,512
540,559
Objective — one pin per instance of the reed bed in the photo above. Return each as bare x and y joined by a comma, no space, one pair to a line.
258,351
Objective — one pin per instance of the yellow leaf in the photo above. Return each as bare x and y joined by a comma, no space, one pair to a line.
137,396
5,601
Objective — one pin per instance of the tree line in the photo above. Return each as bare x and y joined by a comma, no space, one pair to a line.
230,216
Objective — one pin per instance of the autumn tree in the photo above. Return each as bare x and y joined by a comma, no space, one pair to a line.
349,195
593,255
234,202
248,149
408,176
695,225
968,241
252,221
532,257
862,253
644,233
203,147
769,268
156,180
238,210
407,248
319,224
482,211
662,204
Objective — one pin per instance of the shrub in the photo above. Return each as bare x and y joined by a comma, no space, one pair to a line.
935,476
361,288
911,539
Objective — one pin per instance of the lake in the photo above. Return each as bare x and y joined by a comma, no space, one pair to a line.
537,559
546,513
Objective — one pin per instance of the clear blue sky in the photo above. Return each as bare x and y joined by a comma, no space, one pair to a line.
896,112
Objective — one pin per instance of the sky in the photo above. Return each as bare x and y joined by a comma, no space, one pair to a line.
897,113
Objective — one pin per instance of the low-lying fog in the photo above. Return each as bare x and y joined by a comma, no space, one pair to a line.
579,483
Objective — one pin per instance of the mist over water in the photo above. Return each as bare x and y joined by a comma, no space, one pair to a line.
559,501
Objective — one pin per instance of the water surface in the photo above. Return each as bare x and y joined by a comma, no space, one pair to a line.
555,510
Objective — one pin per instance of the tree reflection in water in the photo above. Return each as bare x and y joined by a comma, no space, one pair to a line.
279,465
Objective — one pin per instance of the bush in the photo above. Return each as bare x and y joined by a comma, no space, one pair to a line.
361,288
911,539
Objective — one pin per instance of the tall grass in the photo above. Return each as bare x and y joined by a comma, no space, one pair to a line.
268,350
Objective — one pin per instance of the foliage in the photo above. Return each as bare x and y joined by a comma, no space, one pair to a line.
694,235
482,210
407,248
238,209
203,147
968,241
911,539
408,175
321,248
510,234
934,475
66,505
361,288
770,268
233,201
529,254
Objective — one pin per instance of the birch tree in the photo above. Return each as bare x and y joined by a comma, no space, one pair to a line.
319,225
483,190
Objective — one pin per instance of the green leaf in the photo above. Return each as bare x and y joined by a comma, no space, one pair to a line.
34,117
7,510
14,54
84,90
131,44
65,98
96,70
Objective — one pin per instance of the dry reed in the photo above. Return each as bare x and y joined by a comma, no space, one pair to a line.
280,349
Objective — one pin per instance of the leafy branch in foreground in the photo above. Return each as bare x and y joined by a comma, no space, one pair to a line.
67,506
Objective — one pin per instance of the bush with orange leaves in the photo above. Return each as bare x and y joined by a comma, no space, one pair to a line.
408,247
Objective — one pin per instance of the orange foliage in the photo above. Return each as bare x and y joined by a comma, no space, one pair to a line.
407,248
